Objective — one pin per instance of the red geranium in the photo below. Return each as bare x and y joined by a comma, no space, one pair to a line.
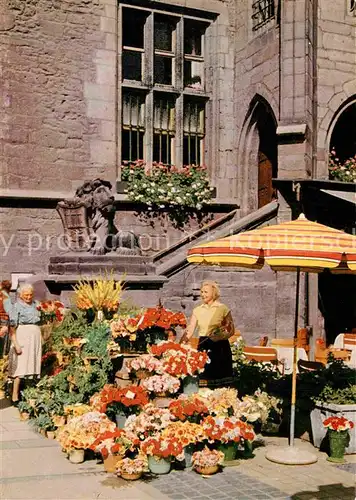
132,397
188,408
338,424
163,448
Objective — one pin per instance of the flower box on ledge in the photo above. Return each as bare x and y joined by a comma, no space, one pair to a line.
122,186
325,410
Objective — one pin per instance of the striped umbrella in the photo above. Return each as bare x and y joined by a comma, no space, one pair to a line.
299,245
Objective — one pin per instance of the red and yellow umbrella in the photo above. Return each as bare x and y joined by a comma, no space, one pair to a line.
299,245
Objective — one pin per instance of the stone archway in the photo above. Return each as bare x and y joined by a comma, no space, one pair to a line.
257,156
343,133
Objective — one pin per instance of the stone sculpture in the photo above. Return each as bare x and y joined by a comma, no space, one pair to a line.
88,221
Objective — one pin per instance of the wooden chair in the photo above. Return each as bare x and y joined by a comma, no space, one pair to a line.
349,340
263,341
309,366
343,354
282,342
263,355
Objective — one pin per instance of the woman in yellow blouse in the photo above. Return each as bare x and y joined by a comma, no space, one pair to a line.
215,326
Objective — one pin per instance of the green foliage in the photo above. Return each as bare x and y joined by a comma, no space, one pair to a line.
74,325
250,376
97,338
345,396
43,422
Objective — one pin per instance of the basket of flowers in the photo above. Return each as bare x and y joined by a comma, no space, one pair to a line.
207,462
132,469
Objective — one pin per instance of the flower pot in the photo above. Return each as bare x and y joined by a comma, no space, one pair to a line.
188,454
159,465
338,442
51,435
229,450
110,463
76,456
207,471
190,385
24,416
120,418
131,477
326,410
248,449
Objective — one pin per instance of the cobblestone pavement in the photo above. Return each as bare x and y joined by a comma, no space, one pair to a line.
33,467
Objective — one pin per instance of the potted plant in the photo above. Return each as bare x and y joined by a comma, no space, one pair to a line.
207,462
143,366
191,408
188,435
160,452
149,422
339,437
161,385
80,433
132,469
112,445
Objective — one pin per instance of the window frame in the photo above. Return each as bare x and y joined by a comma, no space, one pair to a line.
148,87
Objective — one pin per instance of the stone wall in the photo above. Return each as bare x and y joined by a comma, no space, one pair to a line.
336,70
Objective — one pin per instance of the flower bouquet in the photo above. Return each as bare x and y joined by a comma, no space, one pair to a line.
221,402
81,432
157,322
189,362
339,437
144,365
149,422
191,408
161,385
207,461
126,400
132,468
161,451
51,311
271,419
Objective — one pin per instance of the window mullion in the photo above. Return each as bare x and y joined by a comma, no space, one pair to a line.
179,68
148,80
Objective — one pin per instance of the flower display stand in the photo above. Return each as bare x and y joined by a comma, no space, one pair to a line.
325,410
159,465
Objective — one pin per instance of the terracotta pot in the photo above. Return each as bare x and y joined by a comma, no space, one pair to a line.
42,432
51,435
76,456
131,477
110,463
207,471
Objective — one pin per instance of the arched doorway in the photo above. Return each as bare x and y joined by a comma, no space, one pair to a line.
258,155
342,143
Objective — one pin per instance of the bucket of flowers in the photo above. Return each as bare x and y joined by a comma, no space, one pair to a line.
225,433
149,422
188,435
161,385
160,452
80,433
124,331
132,469
112,446
158,323
207,462
187,364
191,408
119,403
339,437
145,365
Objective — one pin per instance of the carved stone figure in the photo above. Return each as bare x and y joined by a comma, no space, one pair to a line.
88,220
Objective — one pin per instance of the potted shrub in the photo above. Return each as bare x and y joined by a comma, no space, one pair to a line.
191,408
112,445
160,452
188,434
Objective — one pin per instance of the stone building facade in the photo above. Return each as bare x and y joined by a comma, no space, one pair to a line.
253,89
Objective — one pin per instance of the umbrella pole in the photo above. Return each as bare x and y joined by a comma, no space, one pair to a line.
294,374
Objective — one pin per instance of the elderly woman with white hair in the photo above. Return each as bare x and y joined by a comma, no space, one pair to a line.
215,326
26,350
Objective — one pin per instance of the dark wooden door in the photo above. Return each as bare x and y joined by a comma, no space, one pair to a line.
265,188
